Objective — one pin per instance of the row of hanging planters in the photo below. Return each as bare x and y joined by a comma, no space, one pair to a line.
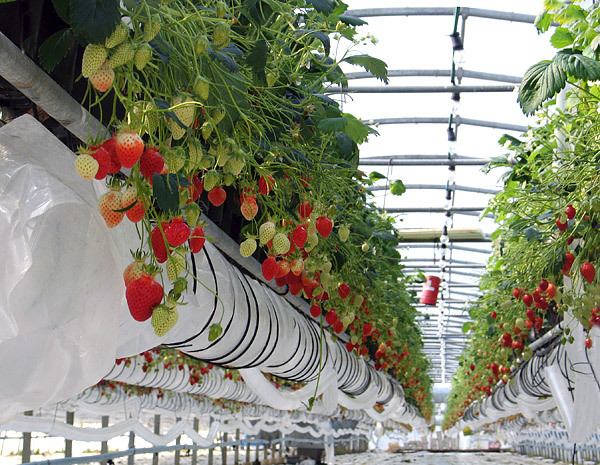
546,247
220,109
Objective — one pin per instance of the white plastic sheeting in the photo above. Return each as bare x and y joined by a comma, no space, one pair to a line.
64,320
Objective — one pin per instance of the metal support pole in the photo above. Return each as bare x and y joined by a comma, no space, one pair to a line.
177,442
236,457
247,452
69,442
104,446
26,455
156,431
257,450
131,458
195,451
211,450
223,450
266,450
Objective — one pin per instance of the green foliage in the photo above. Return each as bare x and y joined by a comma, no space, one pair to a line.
375,66
54,49
94,20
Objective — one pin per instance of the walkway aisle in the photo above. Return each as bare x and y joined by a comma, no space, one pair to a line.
439,458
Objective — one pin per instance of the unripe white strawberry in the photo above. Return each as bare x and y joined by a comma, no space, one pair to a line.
266,232
94,56
281,244
248,247
117,37
102,79
123,54
86,166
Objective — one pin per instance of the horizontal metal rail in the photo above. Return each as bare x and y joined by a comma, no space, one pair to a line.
433,209
460,73
478,190
430,162
431,267
465,12
456,120
418,89
419,157
426,260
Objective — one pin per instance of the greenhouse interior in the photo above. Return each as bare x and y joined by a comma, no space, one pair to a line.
299,232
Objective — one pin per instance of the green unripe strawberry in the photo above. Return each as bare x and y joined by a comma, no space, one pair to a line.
221,9
117,37
217,115
142,56
201,45
223,154
196,152
202,88
281,244
206,129
343,233
221,35
228,179
192,214
235,165
152,28
93,57
207,162
122,55
247,248
312,242
175,265
86,166
266,232
211,179
174,160
163,319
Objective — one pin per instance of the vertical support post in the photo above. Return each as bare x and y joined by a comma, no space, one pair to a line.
104,446
257,449
26,456
223,451
177,442
210,451
131,458
281,446
156,431
266,450
247,450
195,451
69,442
236,457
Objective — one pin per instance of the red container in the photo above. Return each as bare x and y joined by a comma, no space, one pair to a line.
430,289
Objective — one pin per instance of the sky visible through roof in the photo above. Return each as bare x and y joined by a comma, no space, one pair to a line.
423,42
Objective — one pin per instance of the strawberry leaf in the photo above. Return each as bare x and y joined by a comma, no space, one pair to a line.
94,20
561,38
397,187
214,332
54,49
541,81
320,35
351,20
322,6
375,66
257,59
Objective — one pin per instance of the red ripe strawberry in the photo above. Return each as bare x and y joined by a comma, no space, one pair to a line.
249,208
283,268
367,329
265,184
299,236
177,232
269,268
197,239
151,162
110,145
530,313
315,311
543,285
364,351
297,266
494,315
516,293
103,158
588,271
527,300
343,290
217,196
295,288
588,343
143,295
129,148
561,226
158,244
138,211
338,327
349,346
196,188
324,226
304,210
570,212
280,281
331,317
569,259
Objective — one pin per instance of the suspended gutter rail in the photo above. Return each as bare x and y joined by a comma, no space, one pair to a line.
457,120
460,73
418,89
479,190
41,89
430,162
465,12
433,209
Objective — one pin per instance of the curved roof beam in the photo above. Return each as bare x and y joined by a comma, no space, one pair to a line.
460,73
458,120
465,12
